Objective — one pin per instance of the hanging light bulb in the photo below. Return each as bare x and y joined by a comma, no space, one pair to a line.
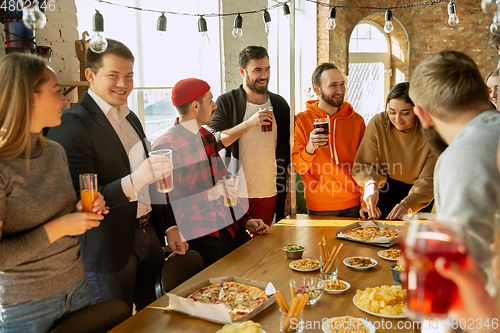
388,27
267,20
238,26
98,42
331,24
286,12
33,17
489,6
202,28
495,26
161,24
452,12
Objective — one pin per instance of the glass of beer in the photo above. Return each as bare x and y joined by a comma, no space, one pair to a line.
88,190
166,183
322,123
269,126
426,239
230,200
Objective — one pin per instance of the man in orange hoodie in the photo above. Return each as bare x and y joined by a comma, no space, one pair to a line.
325,160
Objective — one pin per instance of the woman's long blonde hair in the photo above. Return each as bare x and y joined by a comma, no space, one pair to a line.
20,77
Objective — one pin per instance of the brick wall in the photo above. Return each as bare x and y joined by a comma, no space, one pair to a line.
60,34
427,32
253,34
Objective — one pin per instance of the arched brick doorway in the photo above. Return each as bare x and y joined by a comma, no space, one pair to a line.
369,80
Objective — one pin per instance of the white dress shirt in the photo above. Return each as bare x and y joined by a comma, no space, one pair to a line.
133,146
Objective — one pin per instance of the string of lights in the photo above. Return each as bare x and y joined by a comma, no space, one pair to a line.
253,11
98,41
425,3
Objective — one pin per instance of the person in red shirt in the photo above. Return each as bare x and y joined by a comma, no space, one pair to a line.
206,223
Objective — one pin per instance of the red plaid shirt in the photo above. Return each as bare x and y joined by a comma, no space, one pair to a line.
194,175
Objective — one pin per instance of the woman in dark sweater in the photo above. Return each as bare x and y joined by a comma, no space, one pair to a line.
41,272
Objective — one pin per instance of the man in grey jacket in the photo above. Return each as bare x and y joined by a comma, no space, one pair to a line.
452,102
252,127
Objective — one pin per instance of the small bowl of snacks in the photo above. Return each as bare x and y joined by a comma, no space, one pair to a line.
396,270
360,263
336,286
294,251
312,286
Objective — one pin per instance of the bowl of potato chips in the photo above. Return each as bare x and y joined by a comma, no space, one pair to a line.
382,301
336,286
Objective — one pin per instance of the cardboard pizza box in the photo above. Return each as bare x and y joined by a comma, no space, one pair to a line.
382,243
217,313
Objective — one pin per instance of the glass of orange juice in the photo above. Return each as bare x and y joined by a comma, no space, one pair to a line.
88,190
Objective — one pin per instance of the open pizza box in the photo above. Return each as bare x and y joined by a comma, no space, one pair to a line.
381,241
217,313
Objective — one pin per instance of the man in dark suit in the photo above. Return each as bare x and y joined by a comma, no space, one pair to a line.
100,135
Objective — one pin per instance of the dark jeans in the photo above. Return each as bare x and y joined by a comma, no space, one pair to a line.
392,193
135,283
349,212
213,248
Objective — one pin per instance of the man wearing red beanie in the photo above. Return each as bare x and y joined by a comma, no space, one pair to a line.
252,127
210,227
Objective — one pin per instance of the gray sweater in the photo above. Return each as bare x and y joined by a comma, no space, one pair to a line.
30,267
467,182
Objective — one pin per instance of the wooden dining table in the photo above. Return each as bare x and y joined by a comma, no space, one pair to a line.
262,259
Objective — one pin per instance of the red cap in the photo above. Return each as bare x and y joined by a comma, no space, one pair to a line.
188,90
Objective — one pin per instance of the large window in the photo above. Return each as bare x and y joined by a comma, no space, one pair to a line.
160,59
305,51
369,69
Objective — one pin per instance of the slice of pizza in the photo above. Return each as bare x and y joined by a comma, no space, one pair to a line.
240,299
370,234
208,294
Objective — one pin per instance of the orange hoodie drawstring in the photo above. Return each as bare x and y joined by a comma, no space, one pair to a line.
333,142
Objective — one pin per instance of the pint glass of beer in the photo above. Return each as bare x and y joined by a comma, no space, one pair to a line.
230,200
88,190
268,127
166,183
322,123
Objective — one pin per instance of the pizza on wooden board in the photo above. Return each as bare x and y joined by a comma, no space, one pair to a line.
369,233
239,298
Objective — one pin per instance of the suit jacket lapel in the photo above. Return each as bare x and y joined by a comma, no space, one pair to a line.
138,128
101,119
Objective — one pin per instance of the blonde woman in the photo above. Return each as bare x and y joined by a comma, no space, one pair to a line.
41,272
